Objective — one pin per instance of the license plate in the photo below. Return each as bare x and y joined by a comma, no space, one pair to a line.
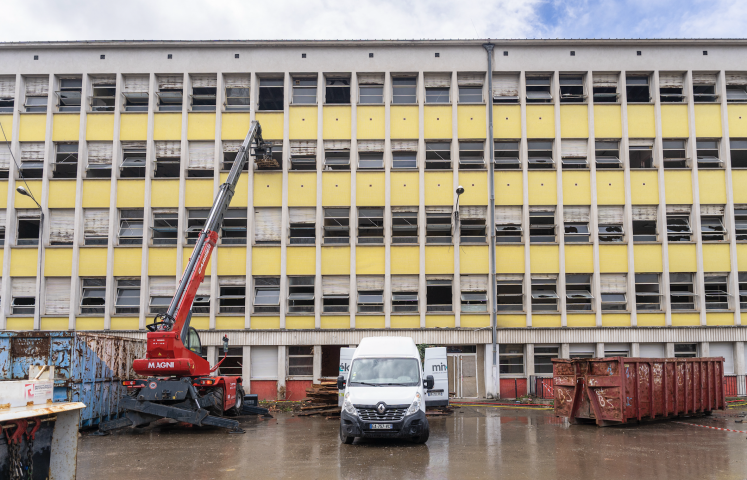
380,426
434,393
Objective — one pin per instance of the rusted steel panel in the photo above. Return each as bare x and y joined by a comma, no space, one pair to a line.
619,390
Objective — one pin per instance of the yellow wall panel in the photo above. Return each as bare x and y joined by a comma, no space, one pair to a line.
616,320
403,122
167,126
3,194
509,259
607,121
335,260
298,323
678,187
404,260
164,193
231,260
574,121
651,320
580,320
719,319
201,126
613,258
371,123
241,192
682,257
92,262
716,257
544,258
404,188
133,126
17,324
162,261
511,321
471,121
61,194
65,127
475,321
644,187
127,261
508,188
208,268
100,126
266,261
579,259
742,256
475,188
336,189
440,321
88,323
335,322
403,321
576,188
54,323
438,188
268,189
234,126
22,201
23,262
685,319
370,321
640,121
474,259
118,323
198,193
543,188
369,260
540,121
302,189
674,121
7,122
439,260
229,323
712,186
300,261
58,262
265,323
610,188
647,258
33,128
303,123
130,193
271,123
738,177
336,123
546,321
506,121
199,322
437,121
708,120
369,189
737,120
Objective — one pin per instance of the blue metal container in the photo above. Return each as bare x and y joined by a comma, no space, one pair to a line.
89,367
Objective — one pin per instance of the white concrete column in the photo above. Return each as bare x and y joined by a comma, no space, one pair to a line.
565,351
669,350
635,349
354,97
282,368
529,359
317,366
523,155
739,360
287,94
661,213
215,290
212,353
704,349
557,155
596,278
456,284
599,350
246,368
627,214
321,96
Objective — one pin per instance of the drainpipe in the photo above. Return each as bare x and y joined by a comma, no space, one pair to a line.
491,216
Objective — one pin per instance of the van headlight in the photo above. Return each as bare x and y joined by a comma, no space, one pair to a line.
415,407
347,405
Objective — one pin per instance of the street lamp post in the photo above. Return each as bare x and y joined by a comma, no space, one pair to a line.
37,306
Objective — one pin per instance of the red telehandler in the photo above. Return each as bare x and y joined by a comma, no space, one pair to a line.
178,384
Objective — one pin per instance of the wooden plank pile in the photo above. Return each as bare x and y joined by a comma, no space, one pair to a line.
321,399
439,411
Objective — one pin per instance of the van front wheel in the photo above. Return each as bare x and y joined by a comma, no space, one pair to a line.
344,438
423,437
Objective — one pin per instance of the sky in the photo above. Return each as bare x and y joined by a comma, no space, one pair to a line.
55,20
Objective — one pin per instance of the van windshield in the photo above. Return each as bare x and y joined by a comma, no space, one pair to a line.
385,372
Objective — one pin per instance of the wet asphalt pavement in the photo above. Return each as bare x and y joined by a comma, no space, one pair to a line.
474,443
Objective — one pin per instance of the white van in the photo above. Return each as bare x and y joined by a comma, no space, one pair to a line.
385,392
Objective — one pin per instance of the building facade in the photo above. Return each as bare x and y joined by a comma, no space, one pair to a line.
619,220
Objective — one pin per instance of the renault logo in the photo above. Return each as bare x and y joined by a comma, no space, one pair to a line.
381,408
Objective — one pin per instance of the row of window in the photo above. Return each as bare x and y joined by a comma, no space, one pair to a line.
302,294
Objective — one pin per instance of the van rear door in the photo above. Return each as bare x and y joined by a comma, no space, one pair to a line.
346,356
436,365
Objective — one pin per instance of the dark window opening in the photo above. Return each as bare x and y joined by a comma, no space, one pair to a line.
66,161
270,94
439,295
338,90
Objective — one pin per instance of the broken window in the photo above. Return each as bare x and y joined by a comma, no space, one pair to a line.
233,230
170,92
204,93
543,359
576,224
572,89
613,290
266,294
104,89
707,151
607,154
508,224
303,154
507,155
164,227
335,294
510,292
438,294
337,154
405,294
541,224
95,226
404,224
161,291
437,155
23,294
540,154
300,294
712,223
736,87
304,90
405,154
644,223
93,296
99,160
544,293
336,226
267,225
371,88
716,291
647,291
302,229
370,293
472,224
2,228
133,160
573,153
474,295
232,294
671,87
539,89
470,87
685,350
471,155
201,303
238,89
270,94
131,227
511,359
610,224
370,225
195,223
738,149
704,87
65,160
404,89
61,226
338,90
371,154
28,227
230,150
578,292
640,152
300,361
69,94
7,93
437,224
5,159
674,154
32,160
605,87
437,87
128,296
135,93
678,223
743,290
168,157
37,91
637,89
681,291
740,222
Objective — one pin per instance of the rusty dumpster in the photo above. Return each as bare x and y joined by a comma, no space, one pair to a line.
618,390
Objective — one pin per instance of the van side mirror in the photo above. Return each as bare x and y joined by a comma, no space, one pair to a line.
341,382
428,384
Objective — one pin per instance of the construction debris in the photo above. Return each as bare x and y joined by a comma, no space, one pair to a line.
321,399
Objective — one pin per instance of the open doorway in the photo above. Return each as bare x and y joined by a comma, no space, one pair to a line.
331,360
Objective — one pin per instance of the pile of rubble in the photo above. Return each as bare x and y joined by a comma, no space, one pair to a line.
321,399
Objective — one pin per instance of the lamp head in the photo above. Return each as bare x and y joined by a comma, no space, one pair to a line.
22,191
459,190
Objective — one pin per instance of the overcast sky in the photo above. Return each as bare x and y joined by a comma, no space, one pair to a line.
30,20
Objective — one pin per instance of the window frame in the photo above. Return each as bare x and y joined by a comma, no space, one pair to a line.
123,308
